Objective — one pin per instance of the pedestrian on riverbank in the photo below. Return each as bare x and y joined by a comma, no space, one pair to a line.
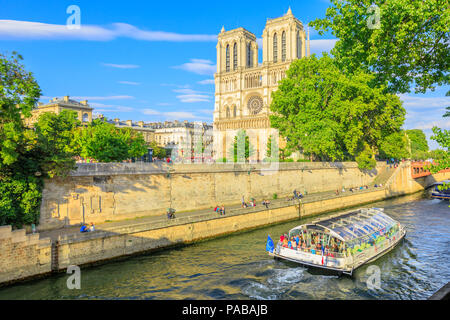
222,210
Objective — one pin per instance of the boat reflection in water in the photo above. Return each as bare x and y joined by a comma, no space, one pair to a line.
340,243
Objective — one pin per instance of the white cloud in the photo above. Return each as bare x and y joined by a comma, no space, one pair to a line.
206,81
198,66
99,107
26,30
121,66
190,98
424,103
170,114
130,83
319,46
94,98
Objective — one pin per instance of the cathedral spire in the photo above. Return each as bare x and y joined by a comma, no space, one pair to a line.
223,29
289,12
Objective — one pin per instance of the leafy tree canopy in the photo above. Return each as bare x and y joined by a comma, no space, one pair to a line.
19,92
105,142
331,115
406,44
242,149
394,146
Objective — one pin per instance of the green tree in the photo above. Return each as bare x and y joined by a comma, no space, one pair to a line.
408,47
158,152
394,146
272,145
19,92
330,115
55,141
442,137
105,142
419,144
20,183
241,147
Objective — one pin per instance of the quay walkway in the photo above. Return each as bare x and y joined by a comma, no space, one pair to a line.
160,221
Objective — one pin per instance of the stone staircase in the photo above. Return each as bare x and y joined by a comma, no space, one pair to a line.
384,175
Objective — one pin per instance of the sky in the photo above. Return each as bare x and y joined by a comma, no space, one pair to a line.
155,60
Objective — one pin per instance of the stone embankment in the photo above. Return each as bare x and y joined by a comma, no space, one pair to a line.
131,236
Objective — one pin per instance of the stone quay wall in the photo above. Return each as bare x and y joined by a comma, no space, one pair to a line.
110,192
22,255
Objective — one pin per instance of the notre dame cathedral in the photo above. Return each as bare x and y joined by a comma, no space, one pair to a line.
244,86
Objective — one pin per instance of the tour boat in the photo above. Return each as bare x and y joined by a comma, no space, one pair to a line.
441,194
341,243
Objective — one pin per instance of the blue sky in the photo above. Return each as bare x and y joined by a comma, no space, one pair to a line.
154,60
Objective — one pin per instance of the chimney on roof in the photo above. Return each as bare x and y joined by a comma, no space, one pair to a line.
185,121
141,124
129,123
66,98
84,102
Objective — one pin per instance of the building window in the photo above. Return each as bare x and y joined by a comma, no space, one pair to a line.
227,58
235,56
234,112
228,112
299,45
85,117
249,55
283,46
275,48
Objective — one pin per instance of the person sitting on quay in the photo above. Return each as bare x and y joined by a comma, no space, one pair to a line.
337,192
222,210
170,213
244,205
84,228
92,227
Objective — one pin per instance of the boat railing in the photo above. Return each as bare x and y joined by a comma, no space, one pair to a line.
328,253
371,251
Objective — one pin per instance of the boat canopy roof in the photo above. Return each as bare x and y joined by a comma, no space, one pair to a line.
352,225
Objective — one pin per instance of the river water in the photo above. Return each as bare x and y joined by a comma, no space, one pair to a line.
237,267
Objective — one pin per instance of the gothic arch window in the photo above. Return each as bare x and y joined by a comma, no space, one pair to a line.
234,112
283,46
249,55
85,117
235,56
299,45
227,58
228,112
275,48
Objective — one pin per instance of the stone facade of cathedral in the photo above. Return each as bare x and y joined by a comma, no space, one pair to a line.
244,86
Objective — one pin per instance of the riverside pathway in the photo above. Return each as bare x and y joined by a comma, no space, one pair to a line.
231,210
